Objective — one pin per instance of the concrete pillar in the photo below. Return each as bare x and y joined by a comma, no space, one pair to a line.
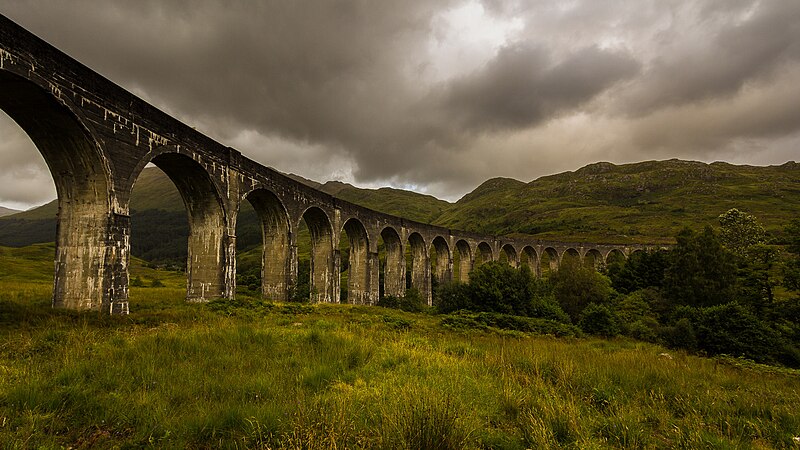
91,260
374,275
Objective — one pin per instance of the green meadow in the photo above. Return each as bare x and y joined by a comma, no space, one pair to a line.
255,374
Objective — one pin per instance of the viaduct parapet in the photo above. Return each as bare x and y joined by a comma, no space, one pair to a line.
97,137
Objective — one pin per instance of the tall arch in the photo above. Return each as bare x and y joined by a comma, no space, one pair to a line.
511,255
548,261
464,260
275,232
91,253
358,284
420,266
324,283
570,254
484,254
209,273
593,258
443,269
528,258
394,266
614,255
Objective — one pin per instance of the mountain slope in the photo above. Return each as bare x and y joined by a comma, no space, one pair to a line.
641,202
7,211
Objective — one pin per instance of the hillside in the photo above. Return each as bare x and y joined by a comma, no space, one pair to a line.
7,211
643,202
157,205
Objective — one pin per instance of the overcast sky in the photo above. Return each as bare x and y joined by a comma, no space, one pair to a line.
437,96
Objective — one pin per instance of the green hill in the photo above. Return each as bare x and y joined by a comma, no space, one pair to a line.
157,205
643,202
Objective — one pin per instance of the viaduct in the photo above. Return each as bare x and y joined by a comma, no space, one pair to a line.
96,138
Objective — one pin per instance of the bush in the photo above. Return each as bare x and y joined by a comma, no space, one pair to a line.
599,320
680,335
575,286
732,329
411,302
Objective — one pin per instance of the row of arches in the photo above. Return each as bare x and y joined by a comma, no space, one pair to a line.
94,178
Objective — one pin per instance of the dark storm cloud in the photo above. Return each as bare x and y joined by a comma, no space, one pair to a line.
440,95
523,86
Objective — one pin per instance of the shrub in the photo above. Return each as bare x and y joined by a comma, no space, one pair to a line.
599,320
732,329
680,335
575,286
412,301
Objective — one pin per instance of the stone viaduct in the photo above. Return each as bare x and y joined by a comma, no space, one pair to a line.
96,138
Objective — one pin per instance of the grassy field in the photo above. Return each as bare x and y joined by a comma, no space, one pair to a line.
251,374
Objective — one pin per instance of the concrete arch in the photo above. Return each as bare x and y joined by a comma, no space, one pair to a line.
511,255
483,254
324,282
209,268
593,258
420,266
613,255
443,270
358,279
529,258
548,261
276,246
569,253
85,261
464,260
394,268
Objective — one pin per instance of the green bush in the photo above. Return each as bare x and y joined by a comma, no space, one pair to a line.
599,320
412,301
679,335
575,286
732,329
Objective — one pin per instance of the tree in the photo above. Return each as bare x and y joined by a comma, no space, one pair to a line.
791,269
575,286
701,271
641,270
740,231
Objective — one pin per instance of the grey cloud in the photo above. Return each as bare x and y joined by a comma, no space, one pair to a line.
524,86
339,89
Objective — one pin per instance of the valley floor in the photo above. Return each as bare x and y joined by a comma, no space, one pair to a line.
251,374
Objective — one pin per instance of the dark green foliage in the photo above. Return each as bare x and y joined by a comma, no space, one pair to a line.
301,291
732,329
412,301
481,321
791,269
702,272
680,335
575,286
156,283
498,287
739,232
137,282
641,270
599,320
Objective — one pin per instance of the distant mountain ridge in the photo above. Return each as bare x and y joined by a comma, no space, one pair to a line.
644,202
7,211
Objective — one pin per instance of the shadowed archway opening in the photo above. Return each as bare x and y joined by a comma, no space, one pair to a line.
570,256
614,256
418,265
508,255
594,259
323,279
393,264
90,272
528,258
353,251
206,262
267,264
548,262
462,261
441,262
484,254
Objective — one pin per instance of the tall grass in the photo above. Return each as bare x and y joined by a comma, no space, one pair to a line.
250,374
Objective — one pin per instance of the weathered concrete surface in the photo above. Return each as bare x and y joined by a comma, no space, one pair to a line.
97,138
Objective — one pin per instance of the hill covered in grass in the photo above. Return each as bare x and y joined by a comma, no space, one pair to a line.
646,202
643,202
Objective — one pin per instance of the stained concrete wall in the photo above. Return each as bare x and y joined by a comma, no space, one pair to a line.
97,138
